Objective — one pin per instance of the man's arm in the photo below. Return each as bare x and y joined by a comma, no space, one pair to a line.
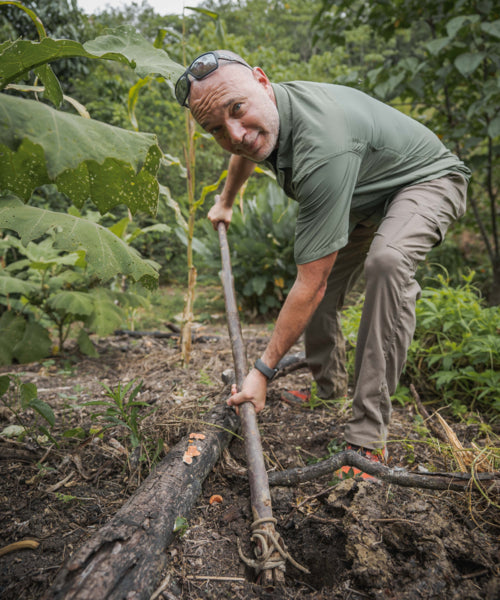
303,299
239,171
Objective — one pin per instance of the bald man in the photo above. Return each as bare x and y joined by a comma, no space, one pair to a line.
376,191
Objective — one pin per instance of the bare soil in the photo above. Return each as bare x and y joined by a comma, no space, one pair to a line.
360,540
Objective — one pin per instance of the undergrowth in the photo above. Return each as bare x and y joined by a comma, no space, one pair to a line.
455,354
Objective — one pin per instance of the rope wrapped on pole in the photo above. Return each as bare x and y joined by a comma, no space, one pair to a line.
269,549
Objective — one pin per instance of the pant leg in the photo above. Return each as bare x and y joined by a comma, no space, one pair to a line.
324,341
416,220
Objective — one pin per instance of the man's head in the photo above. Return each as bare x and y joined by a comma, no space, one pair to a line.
233,102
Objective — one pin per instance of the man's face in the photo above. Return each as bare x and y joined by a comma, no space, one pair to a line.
237,106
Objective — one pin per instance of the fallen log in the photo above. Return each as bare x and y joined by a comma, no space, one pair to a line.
200,339
124,559
439,481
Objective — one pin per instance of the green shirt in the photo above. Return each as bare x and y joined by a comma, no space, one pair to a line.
343,155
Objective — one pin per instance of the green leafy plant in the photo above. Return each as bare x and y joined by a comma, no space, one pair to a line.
87,161
440,60
315,401
47,289
261,240
20,397
455,352
402,395
123,410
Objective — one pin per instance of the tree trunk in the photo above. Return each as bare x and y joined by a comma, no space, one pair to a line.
494,296
124,559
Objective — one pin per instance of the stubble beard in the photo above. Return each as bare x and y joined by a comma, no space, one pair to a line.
270,134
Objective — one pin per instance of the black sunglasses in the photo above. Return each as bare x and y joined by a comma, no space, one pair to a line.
201,67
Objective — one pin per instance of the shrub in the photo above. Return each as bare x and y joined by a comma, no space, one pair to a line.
456,349
45,290
261,241
455,353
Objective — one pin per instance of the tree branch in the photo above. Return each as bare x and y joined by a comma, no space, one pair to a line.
432,481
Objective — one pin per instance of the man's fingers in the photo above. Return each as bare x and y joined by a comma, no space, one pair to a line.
236,398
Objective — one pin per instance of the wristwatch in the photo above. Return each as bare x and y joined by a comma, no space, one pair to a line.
265,370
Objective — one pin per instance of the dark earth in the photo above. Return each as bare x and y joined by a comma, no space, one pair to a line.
360,540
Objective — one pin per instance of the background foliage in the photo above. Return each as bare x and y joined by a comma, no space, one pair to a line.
437,61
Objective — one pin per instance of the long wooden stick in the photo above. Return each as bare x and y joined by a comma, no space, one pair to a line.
272,567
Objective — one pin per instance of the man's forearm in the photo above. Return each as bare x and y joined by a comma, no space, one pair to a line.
292,321
303,299
239,170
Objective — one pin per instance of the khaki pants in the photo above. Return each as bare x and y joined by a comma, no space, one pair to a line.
416,220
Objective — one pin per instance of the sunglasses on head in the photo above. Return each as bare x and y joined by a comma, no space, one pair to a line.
201,67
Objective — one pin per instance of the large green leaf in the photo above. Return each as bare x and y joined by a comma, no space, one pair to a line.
125,44
25,341
492,28
14,285
85,344
494,127
106,254
122,44
79,304
84,158
468,62
12,327
34,344
453,26
107,316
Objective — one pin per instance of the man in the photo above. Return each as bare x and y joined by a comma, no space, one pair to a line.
375,188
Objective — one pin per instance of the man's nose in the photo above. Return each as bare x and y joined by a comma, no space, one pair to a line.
235,131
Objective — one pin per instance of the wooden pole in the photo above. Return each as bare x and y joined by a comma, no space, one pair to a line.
270,562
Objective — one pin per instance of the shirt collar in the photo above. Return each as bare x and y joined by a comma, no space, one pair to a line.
284,149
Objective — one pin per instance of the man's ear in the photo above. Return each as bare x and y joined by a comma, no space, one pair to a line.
261,77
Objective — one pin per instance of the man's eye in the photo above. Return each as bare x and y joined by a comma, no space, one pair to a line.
215,131
236,107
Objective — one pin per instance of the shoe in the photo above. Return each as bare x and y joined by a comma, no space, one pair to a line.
348,472
296,398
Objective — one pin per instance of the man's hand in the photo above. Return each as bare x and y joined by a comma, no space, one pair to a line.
220,212
253,390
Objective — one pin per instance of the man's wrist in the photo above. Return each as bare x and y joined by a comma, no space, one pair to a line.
267,371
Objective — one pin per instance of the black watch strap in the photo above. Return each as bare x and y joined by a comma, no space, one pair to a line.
265,370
